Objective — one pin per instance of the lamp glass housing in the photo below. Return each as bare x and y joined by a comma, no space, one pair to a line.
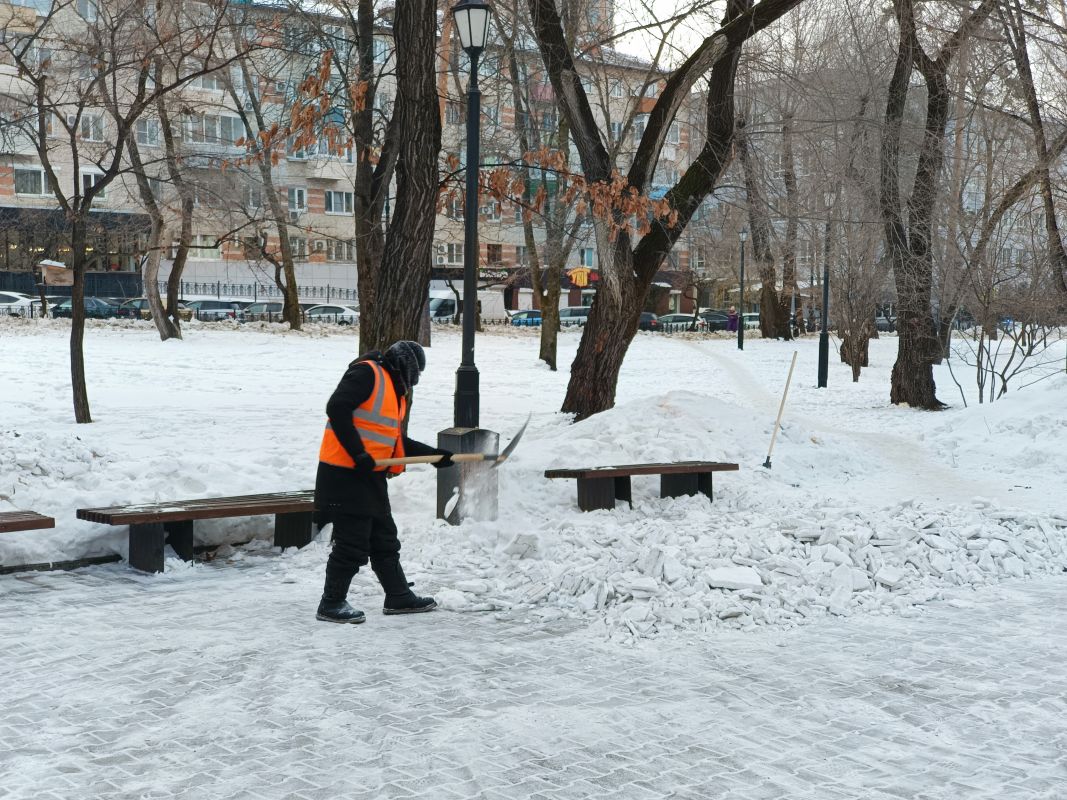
472,22
743,234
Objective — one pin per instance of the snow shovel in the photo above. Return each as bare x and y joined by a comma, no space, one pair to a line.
460,458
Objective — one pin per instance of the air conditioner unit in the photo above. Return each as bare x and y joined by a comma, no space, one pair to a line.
294,216
442,250
442,260
320,244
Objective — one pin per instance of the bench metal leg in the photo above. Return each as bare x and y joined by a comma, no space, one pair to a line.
293,530
146,546
596,493
622,490
704,484
685,484
180,537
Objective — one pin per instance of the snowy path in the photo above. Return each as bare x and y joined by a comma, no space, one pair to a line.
124,686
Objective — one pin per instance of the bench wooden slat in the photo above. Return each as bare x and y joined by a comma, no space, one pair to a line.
204,508
621,470
11,521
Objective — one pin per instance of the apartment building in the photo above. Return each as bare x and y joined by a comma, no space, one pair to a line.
234,218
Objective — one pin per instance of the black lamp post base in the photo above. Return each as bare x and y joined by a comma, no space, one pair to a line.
476,482
467,397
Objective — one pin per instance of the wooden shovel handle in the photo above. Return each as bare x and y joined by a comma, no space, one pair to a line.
458,458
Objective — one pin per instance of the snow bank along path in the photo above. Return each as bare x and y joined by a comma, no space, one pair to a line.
868,508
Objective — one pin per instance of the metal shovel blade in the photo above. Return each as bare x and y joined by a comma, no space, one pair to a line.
513,443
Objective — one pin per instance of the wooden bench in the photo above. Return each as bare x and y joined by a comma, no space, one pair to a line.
11,521
155,525
600,487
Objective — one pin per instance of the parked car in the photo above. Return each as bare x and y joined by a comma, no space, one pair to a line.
95,308
272,312
15,303
215,310
715,320
139,308
648,322
442,309
681,322
884,324
35,304
343,315
573,315
750,319
529,318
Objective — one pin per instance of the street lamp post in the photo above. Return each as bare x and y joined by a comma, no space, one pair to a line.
475,485
472,24
742,235
824,335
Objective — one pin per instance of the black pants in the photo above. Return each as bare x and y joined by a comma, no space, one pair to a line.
357,539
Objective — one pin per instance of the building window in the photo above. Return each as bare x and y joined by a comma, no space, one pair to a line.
700,259
90,127
381,50
494,253
87,9
450,254
148,132
585,256
522,255
639,125
674,134
492,211
89,180
204,246
298,199
618,89
299,246
454,114
340,250
155,186
338,202
212,81
254,196
454,207
31,181
616,132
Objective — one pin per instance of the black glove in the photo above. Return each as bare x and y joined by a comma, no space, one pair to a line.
445,460
364,463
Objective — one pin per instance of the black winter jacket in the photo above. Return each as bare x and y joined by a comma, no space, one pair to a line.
343,488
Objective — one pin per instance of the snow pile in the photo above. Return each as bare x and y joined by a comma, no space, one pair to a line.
688,564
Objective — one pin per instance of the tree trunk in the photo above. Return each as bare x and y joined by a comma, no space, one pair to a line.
156,235
789,254
611,327
77,322
408,255
760,222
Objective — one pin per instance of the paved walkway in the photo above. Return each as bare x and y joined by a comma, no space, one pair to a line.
122,686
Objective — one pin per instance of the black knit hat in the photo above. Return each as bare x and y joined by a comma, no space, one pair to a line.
406,359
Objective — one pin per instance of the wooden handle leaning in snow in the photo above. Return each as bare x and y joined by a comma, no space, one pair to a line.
781,407
458,458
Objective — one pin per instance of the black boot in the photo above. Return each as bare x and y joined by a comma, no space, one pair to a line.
333,607
399,599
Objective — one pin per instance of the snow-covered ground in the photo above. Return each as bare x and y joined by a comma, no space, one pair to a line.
868,508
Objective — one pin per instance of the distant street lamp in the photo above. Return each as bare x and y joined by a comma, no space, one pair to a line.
472,24
742,235
824,335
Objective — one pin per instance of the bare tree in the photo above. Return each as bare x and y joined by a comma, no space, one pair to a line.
628,266
81,77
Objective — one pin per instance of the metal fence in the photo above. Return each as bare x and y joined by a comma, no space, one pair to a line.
261,291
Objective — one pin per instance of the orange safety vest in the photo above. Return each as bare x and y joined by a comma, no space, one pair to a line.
377,420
